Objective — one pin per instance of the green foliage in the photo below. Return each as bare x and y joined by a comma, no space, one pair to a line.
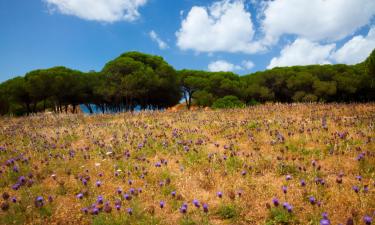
229,101
148,82
228,211
203,98
287,169
279,215
187,220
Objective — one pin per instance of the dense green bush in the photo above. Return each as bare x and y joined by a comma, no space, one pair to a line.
227,102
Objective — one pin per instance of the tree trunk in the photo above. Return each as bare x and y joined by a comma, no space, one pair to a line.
88,106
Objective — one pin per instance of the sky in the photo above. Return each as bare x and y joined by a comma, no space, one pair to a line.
243,36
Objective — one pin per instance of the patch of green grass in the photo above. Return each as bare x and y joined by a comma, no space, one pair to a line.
367,167
252,125
287,169
279,215
16,215
187,220
167,190
229,211
192,158
233,164
45,211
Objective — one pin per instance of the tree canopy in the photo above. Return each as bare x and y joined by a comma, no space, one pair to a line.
138,80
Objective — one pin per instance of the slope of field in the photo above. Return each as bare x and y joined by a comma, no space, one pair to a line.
269,164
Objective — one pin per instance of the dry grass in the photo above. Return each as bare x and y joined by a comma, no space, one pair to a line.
206,152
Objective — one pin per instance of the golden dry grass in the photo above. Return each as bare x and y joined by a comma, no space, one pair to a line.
206,152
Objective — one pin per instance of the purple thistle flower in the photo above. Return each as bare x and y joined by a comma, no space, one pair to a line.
85,210
359,178
80,196
100,199
325,222
312,200
275,202
95,211
127,197
16,186
21,180
15,169
205,208
173,193
365,188
39,201
367,220
220,194
130,211
303,183
288,207
98,183
183,208
14,199
196,203
288,177
119,190
161,204
285,189
355,189
360,157
243,173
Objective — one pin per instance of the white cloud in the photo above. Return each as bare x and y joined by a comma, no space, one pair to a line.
247,64
155,37
222,65
224,26
357,49
98,10
303,52
315,19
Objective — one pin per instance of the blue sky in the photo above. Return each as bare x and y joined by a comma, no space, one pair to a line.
243,36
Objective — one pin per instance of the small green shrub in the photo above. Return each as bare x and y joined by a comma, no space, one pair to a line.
228,102
279,215
228,211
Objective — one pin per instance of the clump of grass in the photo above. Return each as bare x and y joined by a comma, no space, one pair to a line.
233,164
228,211
287,169
193,159
188,220
280,216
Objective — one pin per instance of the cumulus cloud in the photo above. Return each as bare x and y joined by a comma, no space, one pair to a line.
247,64
315,19
155,37
303,52
222,66
224,26
357,49
98,10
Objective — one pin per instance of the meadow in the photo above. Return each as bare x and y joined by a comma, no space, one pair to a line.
265,164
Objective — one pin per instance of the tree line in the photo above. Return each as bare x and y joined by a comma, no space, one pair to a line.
138,80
